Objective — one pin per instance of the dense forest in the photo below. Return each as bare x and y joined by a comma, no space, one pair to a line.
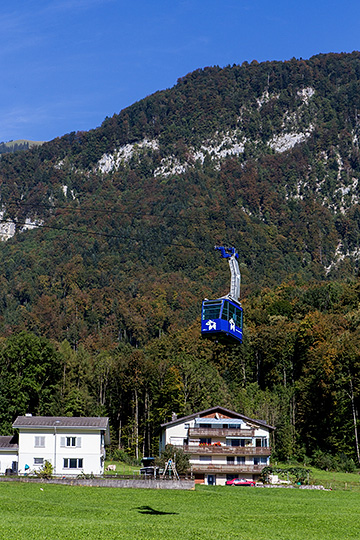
110,252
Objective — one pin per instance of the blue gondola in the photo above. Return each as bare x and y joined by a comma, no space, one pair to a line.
222,319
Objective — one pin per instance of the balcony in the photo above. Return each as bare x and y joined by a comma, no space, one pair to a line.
226,450
220,432
226,469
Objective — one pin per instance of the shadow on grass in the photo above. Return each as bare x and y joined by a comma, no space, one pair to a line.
152,511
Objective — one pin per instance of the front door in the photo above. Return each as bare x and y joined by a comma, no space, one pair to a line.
211,480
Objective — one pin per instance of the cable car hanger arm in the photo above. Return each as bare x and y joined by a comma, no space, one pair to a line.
230,253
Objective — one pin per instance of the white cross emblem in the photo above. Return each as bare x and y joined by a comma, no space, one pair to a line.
232,325
211,325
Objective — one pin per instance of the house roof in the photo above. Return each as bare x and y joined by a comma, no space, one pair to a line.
8,442
226,414
61,421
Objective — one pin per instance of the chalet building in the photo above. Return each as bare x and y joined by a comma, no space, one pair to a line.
221,444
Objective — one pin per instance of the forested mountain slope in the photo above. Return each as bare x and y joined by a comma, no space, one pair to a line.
109,236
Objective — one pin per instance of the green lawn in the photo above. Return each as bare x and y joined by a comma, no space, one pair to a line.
221,513
122,468
336,480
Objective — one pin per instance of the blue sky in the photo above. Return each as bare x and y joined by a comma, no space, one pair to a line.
67,64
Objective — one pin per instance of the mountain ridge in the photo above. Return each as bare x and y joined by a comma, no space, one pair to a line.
18,145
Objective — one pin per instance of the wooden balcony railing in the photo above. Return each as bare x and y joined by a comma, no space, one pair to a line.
220,432
226,450
230,469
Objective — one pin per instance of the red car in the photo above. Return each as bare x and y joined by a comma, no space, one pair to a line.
240,482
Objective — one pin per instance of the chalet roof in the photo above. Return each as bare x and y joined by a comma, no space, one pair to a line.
61,421
8,442
224,415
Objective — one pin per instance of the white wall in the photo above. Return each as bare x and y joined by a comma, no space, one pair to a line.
175,434
89,450
6,459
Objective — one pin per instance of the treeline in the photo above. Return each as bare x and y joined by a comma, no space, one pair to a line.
298,369
16,146
7,148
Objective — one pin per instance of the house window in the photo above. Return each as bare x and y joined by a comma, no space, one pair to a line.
240,460
70,442
263,442
235,442
230,460
205,441
38,461
73,463
260,460
207,459
39,441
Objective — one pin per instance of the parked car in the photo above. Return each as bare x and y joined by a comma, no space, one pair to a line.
240,482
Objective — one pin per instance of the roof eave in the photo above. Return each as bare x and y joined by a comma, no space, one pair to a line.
217,408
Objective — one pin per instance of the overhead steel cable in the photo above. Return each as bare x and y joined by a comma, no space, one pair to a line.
78,231
113,210
109,210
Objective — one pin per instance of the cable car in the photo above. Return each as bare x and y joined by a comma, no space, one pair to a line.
222,319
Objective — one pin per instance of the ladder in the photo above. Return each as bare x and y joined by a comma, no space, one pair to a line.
170,468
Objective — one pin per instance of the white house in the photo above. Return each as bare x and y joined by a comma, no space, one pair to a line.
8,454
73,445
221,444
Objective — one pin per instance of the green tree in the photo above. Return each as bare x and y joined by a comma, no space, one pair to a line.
178,457
46,470
30,371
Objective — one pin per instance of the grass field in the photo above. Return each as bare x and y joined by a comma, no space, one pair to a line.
336,480
122,468
51,512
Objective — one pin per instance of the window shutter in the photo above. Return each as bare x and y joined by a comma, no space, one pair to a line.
62,441
78,442
39,441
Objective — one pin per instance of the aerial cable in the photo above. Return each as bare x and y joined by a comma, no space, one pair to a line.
112,210
88,233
